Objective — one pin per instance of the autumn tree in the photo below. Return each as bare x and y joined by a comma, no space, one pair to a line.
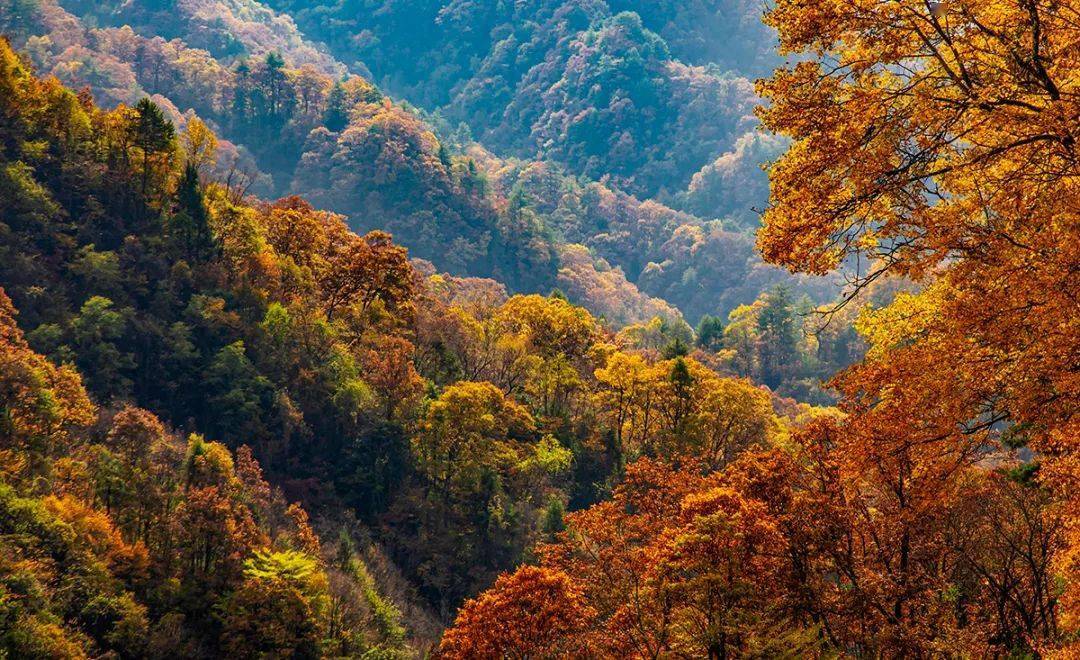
626,399
199,145
468,430
679,407
296,231
279,609
362,270
722,567
391,373
473,452
936,141
215,529
676,563
552,325
41,403
531,613
731,417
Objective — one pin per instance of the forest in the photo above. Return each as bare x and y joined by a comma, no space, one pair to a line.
539,329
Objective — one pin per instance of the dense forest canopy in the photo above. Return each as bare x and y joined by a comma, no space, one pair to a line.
477,329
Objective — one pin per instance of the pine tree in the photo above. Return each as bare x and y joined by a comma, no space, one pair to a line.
779,337
241,100
710,332
190,225
153,134
336,116
275,81
444,156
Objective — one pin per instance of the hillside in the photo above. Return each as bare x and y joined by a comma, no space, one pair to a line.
153,311
126,531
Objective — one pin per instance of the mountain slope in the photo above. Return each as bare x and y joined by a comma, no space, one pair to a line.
453,421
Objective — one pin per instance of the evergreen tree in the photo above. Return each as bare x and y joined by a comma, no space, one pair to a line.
336,116
190,225
710,332
676,348
154,135
241,100
778,336
275,83
444,156
682,384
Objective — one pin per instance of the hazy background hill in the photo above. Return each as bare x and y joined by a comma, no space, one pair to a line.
646,93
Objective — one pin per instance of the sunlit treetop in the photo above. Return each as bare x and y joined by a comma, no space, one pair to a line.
922,130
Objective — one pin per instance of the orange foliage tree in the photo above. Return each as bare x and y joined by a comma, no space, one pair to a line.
42,403
937,140
531,613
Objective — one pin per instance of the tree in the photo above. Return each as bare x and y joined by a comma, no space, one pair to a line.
241,99
550,325
365,270
625,399
279,610
534,613
41,404
189,226
531,613
679,403
467,431
275,79
200,146
733,415
391,373
742,339
926,142
722,568
134,433
96,337
311,86
778,334
215,529
154,135
710,333
336,115
240,396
